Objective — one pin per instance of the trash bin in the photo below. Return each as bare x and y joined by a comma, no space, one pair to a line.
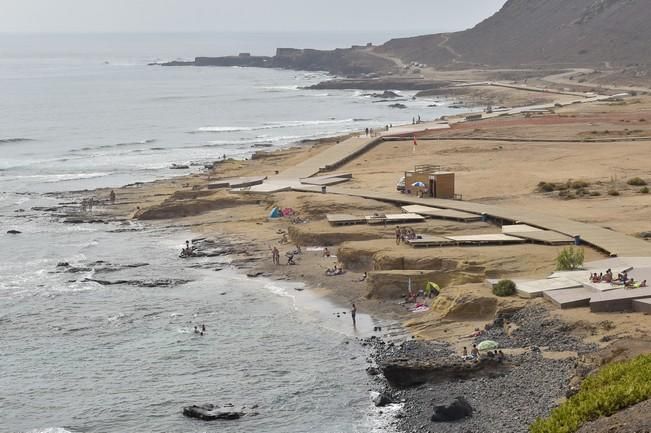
577,239
484,217
323,190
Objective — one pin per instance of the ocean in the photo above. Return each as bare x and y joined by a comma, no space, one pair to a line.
86,111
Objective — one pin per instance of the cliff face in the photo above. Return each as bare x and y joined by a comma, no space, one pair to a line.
576,32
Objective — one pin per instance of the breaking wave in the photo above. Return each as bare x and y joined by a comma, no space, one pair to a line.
276,125
14,140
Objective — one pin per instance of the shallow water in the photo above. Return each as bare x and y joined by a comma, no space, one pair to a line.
78,356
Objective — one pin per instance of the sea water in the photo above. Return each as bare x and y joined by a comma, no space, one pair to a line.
86,111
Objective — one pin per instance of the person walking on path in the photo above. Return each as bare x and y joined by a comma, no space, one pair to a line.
275,256
353,313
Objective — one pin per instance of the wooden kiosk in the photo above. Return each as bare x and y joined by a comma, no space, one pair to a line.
437,183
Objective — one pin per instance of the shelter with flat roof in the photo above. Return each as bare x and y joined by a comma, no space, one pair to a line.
430,181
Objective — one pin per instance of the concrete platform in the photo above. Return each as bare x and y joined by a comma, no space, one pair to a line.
600,287
569,298
535,288
431,241
617,300
325,182
546,237
399,218
642,305
519,228
344,219
449,214
496,239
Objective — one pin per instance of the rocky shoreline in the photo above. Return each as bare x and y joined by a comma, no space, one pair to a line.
426,376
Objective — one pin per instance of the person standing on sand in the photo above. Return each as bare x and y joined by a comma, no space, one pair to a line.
397,235
353,313
112,197
275,256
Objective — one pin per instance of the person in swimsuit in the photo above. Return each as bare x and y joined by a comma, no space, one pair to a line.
353,313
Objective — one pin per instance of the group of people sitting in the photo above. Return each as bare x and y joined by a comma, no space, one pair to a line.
404,234
622,279
475,355
336,270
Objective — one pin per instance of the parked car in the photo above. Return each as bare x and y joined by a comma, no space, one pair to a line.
400,186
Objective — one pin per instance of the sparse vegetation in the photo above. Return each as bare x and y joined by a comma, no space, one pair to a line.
636,181
613,192
578,184
504,288
644,190
570,259
595,193
614,387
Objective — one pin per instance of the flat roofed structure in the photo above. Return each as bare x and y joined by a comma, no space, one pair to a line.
345,219
325,182
535,288
395,218
431,241
546,237
433,212
642,305
495,239
617,300
519,228
569,298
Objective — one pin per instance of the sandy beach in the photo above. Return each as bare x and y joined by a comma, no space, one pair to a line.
499,161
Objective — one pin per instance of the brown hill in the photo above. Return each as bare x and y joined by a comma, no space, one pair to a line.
542,32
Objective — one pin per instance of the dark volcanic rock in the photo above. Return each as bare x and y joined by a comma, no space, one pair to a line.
387,94
383,399
209,412
13,232
458,409
400,106
406,372
140,283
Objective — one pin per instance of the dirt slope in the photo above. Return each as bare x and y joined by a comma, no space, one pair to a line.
567,32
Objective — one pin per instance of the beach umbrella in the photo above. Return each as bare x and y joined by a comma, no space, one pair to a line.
419,184
487,345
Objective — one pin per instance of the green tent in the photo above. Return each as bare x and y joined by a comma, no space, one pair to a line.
432,289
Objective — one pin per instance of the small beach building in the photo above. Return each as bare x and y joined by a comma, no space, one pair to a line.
430,181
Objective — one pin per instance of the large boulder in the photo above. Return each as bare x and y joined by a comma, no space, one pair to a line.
456,410
383,399
209,412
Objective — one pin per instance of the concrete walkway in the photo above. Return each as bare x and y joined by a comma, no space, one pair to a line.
337,155
608,241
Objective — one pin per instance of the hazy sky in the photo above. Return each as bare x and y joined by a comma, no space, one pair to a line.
241,15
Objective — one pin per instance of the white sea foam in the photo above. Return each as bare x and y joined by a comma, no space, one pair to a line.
276,125
49,430
53,178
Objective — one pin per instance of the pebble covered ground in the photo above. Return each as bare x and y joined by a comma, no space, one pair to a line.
505,402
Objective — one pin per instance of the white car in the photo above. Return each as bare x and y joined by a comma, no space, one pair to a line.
400,186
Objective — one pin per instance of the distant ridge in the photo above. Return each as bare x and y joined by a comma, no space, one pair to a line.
541,32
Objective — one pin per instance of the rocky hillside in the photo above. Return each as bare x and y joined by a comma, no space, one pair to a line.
526,32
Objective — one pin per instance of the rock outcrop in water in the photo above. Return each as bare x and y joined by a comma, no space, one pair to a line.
213,412
209,412
349,61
